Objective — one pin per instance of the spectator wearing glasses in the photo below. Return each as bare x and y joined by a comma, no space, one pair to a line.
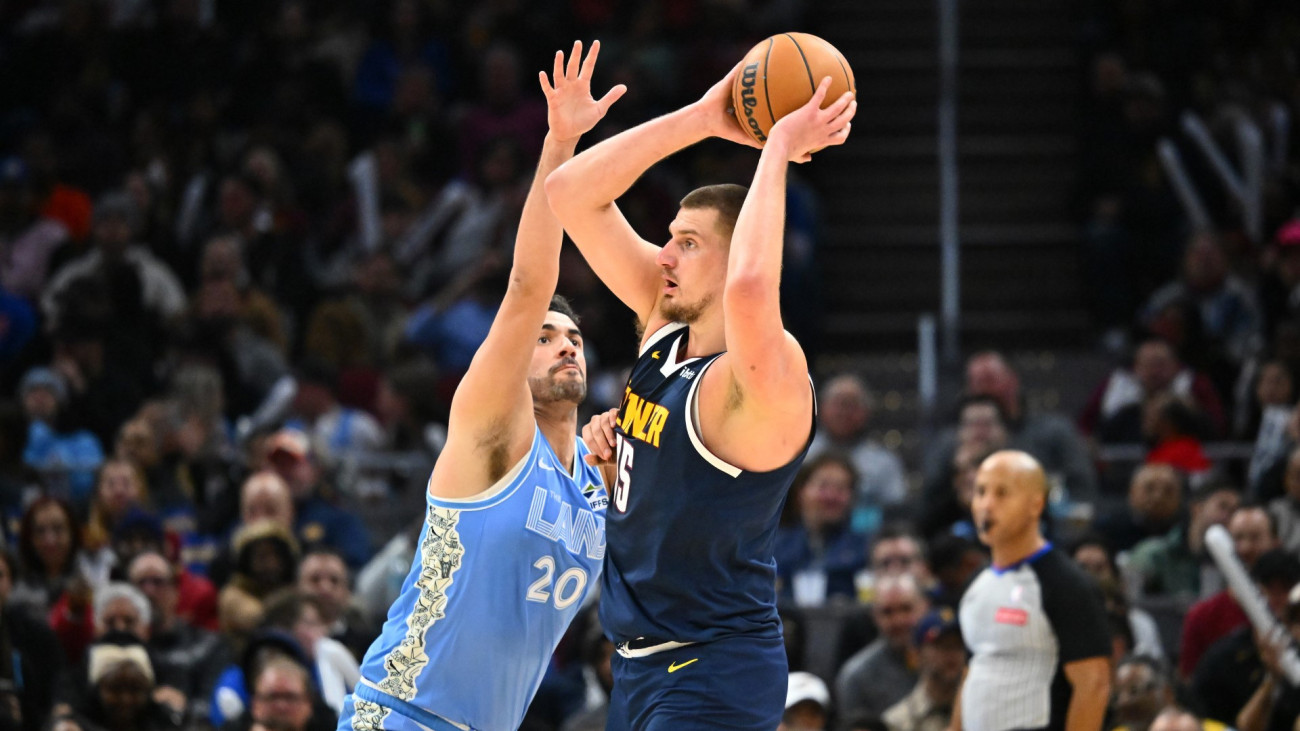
187,658
897,550
282,699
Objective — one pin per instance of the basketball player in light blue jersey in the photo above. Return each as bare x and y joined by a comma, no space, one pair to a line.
514,533
715,421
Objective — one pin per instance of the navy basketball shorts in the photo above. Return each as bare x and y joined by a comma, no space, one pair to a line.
733,683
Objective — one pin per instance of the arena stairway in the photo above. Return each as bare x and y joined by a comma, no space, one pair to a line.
1018,82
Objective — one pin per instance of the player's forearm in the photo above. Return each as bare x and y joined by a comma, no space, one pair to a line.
751,301
754,263
536,267
601,174
1087,709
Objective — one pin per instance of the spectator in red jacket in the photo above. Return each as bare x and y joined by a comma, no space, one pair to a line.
1254,533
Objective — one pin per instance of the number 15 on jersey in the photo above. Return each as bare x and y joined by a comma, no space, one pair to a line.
623,480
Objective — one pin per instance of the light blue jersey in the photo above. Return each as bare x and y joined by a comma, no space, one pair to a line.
495,582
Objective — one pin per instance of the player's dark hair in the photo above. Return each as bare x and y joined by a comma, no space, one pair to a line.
560,304
725,198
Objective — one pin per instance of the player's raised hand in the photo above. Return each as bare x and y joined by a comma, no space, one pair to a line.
571,111
810,128
598,435
718,114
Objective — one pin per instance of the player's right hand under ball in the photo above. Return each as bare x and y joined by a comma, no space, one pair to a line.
599,437
717,115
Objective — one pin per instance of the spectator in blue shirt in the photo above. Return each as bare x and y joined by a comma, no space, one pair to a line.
817,553
68,460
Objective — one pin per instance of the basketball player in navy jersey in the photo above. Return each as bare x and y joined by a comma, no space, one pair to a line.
514,530
716,419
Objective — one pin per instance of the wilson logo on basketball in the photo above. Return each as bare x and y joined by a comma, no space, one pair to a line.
748,78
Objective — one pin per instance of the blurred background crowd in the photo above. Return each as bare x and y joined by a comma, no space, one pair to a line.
247,250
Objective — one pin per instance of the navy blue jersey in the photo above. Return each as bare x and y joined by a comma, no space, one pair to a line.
690,537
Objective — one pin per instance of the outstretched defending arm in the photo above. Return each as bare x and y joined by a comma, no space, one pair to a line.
582,192
766,363
492,407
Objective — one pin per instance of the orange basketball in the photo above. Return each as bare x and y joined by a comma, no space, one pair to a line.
780,75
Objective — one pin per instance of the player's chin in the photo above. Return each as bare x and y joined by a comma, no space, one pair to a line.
573,390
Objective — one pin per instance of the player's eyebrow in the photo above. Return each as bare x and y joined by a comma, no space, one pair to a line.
684,232
572,331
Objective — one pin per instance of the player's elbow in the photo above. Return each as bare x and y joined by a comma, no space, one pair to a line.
560,189
747,290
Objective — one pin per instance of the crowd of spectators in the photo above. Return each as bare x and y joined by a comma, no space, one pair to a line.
246,252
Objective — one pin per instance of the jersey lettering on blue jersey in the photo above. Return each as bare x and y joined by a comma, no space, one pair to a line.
499,575
586,530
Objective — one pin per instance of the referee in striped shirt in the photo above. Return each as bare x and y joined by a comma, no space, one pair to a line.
1034,623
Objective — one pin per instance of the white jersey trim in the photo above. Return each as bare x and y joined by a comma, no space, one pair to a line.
494,494
372,686
623,650
692,427
660,334
671,364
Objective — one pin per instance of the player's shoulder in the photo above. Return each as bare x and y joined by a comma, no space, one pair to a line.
1062,579
1053,564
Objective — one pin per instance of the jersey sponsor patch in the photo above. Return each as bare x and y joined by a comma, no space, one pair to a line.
596,497
1011,615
